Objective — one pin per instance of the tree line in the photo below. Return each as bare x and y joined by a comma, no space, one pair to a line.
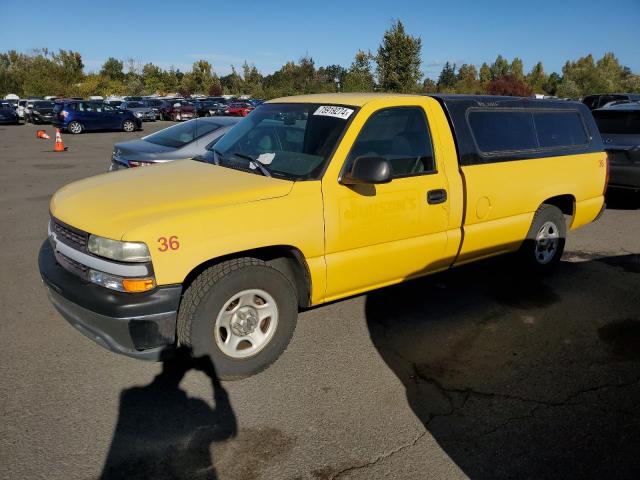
394,67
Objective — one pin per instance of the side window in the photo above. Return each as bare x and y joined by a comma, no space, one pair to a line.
400,135
500,131
560,129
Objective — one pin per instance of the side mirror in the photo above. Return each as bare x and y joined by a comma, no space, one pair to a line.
367,170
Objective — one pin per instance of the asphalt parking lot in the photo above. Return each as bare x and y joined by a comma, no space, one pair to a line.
476,372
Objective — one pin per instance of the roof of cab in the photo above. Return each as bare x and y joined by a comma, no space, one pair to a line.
351,99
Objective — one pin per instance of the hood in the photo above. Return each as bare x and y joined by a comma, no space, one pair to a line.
114,203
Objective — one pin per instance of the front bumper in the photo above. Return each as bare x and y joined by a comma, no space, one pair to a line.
137,325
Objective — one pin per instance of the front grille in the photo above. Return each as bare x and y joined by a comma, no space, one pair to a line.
70,236
72,266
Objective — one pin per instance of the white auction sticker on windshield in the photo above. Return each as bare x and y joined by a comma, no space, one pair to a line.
331,111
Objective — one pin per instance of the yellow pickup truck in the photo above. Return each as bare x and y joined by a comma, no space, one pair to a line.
308,200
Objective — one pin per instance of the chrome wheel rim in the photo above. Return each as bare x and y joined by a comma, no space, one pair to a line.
246,323
128,126
547,241
75,127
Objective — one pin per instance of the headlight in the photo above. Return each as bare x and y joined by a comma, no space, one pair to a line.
114,282
120,251
138,114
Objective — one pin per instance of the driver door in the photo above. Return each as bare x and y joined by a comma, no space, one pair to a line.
382,234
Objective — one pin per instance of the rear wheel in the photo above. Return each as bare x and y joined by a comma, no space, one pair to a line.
545,240
128,126
241,313
74,127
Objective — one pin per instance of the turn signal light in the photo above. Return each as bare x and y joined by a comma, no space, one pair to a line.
136,285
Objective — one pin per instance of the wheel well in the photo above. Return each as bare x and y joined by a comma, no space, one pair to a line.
285,258
565,203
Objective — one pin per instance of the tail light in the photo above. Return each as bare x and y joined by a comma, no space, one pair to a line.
134,164
606,177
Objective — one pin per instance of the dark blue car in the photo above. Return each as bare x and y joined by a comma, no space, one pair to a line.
8,114
78,116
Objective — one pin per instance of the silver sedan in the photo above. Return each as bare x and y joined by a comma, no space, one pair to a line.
181,141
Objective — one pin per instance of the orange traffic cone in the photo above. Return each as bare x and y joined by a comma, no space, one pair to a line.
59,146
42,134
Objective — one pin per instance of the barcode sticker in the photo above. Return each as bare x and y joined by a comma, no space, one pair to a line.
330,111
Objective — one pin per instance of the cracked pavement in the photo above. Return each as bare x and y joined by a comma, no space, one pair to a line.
476,372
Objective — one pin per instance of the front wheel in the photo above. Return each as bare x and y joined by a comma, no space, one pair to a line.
545,240
74,127
241,313
128,126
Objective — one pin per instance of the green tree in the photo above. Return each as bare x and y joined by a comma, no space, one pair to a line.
499,68
485,76
467,79
153,78
552,83
398,60
252,80
232,84
517,68
447,79
112,68
359,77
536,78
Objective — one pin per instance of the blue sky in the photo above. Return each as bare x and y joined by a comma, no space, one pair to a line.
268,33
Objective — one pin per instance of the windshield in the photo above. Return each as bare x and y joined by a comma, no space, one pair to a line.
135,105
179,135
43,105
292,140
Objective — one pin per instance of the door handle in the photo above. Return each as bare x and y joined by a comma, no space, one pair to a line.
436,196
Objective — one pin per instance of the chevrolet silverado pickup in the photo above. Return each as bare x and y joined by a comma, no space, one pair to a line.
311,199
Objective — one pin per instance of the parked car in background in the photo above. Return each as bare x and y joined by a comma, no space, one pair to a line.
140,110
600,100
22,104
619,126
204,107
218,105
114,103
180,110
40,111
136,98
160,107
185,140
239,109
8,113
80,116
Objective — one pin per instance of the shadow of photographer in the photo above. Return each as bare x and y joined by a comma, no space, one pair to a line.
520,377
162,433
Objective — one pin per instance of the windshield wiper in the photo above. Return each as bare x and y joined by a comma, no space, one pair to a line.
258,164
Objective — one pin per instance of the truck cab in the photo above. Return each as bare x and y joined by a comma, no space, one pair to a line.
312,199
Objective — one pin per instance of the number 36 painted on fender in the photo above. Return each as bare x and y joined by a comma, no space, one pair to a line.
170,243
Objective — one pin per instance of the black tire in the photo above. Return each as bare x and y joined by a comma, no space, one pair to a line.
75,128
542,256
212,289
